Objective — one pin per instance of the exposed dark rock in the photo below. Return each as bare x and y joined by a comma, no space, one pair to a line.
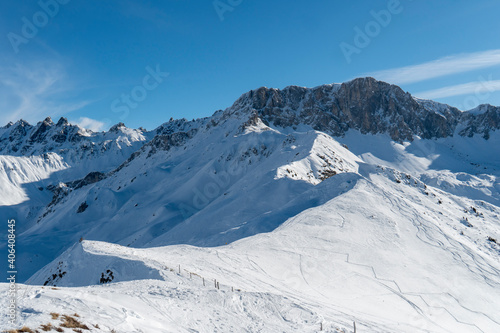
482,120
365,104
62,122
117,127
82,208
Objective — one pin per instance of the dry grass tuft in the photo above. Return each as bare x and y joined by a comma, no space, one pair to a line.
54,315
70,322
23,329
47,327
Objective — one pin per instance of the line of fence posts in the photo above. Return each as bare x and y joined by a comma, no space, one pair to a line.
216,283
217,286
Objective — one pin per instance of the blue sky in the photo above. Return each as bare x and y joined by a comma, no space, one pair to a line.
141,62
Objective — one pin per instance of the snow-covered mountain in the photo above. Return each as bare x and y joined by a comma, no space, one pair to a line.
312,207
32,153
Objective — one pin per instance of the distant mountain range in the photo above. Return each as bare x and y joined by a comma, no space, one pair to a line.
353,201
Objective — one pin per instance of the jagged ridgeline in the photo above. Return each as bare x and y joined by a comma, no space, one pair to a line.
369,106
364,104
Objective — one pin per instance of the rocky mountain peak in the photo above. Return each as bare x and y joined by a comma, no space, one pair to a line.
116,128
481,120
41,130
363,104
8,125
62,122
48,121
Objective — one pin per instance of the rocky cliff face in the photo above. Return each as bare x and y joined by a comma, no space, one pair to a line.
481,120
366,105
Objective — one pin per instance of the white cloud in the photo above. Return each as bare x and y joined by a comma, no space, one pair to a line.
444,66
35,91
91,124
478,88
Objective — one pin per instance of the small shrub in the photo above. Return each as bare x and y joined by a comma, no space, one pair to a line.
47,327
70,322
26,329
493,240
23,329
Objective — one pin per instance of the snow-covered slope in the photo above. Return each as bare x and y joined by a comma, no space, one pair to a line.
340,203
167,191
385,239
16,172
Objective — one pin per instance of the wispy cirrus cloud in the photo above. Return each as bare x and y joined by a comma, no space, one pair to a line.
453,64
34,91
478,87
